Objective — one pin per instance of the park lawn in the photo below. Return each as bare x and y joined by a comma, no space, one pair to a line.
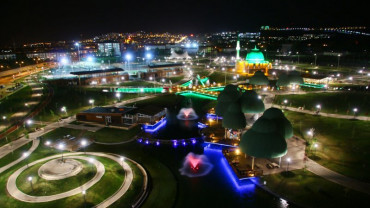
138,84
219,77
107,135
343,144
42,187
113,178
310,190
15,102
15,155
76,100
338,102
173,79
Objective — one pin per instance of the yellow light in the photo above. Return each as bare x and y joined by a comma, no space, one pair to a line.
237,151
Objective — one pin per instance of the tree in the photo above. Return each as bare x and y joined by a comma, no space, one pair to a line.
263,140
259,79
250,103
283,80
234,117
284,127
295,78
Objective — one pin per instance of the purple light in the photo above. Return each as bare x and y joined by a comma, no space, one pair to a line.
193,141
157,143
140,140
146,142
184,143
201,125
213,116
175,143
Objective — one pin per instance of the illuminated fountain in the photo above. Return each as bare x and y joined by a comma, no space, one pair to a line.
187,114
196,165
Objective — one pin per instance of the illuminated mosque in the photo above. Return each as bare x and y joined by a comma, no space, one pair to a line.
255,61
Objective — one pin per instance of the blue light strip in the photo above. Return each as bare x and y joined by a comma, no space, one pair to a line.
213,116
202,125
156,126
226,145
242,185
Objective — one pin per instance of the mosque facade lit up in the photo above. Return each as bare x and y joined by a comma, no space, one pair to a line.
255,61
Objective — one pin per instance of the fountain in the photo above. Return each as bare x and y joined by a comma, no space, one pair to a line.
196,165
187,114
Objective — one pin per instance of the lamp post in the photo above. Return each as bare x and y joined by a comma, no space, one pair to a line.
315,58
128,58
91,101
83,144
78,51
64,109
298,56
311,132
288,162
25,155
30,180
122,159
318,108
338,60
84,195
355,110
61,147
286,103
315,147
118,95
223,69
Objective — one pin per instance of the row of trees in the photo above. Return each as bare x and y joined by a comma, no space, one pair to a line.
292,77
266,138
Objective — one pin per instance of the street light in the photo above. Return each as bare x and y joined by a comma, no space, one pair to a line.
64,109
315,58
4,117
318,107
315,147
30,180
84,195
288,161
48,143
25,155
61,147
83,144
355,110
298,57
118,95
91,101
78,49
122,159
338,60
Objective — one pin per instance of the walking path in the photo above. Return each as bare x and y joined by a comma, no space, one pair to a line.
331,115
335,177
7,148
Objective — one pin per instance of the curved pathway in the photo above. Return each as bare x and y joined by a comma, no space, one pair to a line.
35,144
13,190
16,193
335,177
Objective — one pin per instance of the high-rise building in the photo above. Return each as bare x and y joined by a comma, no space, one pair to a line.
109,49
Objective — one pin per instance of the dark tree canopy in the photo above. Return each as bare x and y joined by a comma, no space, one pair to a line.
233,117
221,108
259,78
231,93
283,80
263,140
250,103
283,124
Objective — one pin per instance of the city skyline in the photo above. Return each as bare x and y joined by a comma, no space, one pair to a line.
67,20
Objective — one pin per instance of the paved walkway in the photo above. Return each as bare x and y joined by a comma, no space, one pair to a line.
7,148
331,115
335,177
83,127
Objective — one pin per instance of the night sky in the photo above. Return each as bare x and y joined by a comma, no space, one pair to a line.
48,20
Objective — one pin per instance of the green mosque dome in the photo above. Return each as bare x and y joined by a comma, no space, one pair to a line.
255,56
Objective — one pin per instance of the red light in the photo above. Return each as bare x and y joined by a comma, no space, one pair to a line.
191,35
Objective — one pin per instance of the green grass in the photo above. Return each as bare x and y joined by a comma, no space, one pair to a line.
15,102
311,190
343,144
339,103
42,187
76,100
15,154
103,135
138,84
